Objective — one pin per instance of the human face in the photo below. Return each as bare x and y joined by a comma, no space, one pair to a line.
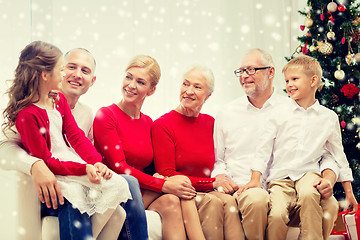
55,77
258,83
194,91
137,85
300,86
79,75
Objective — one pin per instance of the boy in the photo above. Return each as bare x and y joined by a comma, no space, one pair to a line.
298,133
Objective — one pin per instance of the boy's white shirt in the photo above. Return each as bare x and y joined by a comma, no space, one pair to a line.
13,157
294,141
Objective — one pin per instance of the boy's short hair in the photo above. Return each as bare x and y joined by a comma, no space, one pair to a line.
309,65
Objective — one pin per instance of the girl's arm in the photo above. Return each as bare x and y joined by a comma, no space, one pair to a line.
76,137
35,143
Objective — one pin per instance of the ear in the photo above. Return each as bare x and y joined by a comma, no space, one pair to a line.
314,81
272,72
93,81
207,97
152,90
44,75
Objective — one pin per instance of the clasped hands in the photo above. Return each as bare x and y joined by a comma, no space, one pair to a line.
97,172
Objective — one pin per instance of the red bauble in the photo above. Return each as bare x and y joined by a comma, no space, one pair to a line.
302,27
341,8
343,124
350,90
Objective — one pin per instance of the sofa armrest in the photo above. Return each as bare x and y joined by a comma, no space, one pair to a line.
20,206
154,225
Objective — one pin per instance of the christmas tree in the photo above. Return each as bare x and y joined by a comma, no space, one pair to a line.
332,37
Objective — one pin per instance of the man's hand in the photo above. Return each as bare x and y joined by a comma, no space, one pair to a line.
223,183
180,186
46,185
324,186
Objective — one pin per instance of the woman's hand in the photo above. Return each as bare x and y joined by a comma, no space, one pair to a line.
180,186
93,174
351,204
103,170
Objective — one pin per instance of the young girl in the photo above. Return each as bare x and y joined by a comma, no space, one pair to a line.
48,131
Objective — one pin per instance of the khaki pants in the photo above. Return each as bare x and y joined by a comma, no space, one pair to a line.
253,205
290,198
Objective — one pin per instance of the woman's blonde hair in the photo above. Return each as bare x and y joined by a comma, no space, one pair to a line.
148,63
35,58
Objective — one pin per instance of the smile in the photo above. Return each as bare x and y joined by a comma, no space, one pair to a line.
130,93
74,83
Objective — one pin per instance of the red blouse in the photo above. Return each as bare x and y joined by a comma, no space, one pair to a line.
125,144
185,146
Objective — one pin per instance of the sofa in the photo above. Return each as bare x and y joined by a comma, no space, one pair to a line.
20,212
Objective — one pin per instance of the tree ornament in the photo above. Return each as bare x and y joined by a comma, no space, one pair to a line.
357,57
343,124
339,74
330,35
308,21
343,40
332,7
355,35
322,13
312,48
304,49
348,58
331,18
298,49
302,27
341,8
325,48
356,21
350,90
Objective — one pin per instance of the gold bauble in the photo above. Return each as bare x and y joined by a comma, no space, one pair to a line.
330,35
325,48
298,49
339,74
308,22
348,58
312,48
332,7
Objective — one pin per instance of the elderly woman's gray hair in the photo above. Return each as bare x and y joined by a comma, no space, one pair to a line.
206,72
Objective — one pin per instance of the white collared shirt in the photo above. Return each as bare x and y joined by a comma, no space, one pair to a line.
295,139
236,133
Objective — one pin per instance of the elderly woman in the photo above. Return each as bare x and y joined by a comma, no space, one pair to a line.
183,145
122,136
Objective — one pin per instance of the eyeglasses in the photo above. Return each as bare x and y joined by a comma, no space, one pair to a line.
249,71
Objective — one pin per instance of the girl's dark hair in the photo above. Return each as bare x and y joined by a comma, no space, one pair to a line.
35,58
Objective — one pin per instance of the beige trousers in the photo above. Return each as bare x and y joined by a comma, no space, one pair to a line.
290,198
253,205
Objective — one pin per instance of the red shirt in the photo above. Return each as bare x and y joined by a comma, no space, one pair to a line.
185,146
125,144
33,125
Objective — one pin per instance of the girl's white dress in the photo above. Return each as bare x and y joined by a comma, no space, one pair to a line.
78,190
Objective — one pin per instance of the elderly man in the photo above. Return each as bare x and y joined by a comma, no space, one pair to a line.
237,129
79,77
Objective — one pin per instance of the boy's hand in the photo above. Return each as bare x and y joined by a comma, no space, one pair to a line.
92,174
351,204
103,170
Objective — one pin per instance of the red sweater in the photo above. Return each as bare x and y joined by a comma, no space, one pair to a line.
33,125
125,144
184,146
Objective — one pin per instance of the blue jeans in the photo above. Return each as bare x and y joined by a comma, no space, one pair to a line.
135,225
72,224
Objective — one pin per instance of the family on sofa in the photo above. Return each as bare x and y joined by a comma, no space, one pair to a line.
263,164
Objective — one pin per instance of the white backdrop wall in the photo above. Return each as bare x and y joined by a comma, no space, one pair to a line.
177,33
